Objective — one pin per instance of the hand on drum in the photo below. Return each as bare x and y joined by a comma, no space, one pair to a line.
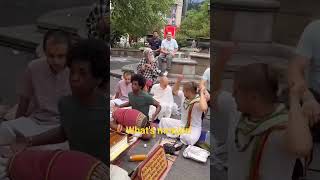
114,108
20,144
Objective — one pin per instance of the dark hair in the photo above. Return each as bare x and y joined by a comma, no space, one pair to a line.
155,31
140,79
259,78
58,36
191,86
96,53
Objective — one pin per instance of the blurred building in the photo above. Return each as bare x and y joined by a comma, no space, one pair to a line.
175,16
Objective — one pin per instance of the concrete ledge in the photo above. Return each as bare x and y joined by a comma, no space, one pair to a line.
246,5
261,49
200,55
184,61
72,20
126,52
25,37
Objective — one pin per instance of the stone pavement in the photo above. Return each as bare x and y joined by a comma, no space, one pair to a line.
21,12
28,36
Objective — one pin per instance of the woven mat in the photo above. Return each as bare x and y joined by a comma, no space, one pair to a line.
170,158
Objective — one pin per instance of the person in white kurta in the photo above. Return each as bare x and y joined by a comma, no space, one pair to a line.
255,113
163,94
187,96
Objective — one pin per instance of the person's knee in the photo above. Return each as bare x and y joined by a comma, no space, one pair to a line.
186,139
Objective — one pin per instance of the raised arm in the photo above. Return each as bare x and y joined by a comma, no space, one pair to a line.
203,101
204,79
299,139
296,70
224,55
304,52
176,86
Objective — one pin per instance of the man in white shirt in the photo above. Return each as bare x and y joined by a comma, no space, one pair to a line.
169,48
163,94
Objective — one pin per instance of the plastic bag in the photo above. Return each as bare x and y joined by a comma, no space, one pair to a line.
196,153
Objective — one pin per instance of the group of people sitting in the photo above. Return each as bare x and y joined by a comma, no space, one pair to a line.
61,102
154,102
157,59
158,105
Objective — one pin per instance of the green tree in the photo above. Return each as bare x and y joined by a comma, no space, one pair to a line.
196,24
138,17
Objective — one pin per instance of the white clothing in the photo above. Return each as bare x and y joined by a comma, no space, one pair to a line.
188,139
165,98
169,45
26,127
276,162
117,173
196,122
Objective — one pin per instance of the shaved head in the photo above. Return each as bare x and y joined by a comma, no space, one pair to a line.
164,82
